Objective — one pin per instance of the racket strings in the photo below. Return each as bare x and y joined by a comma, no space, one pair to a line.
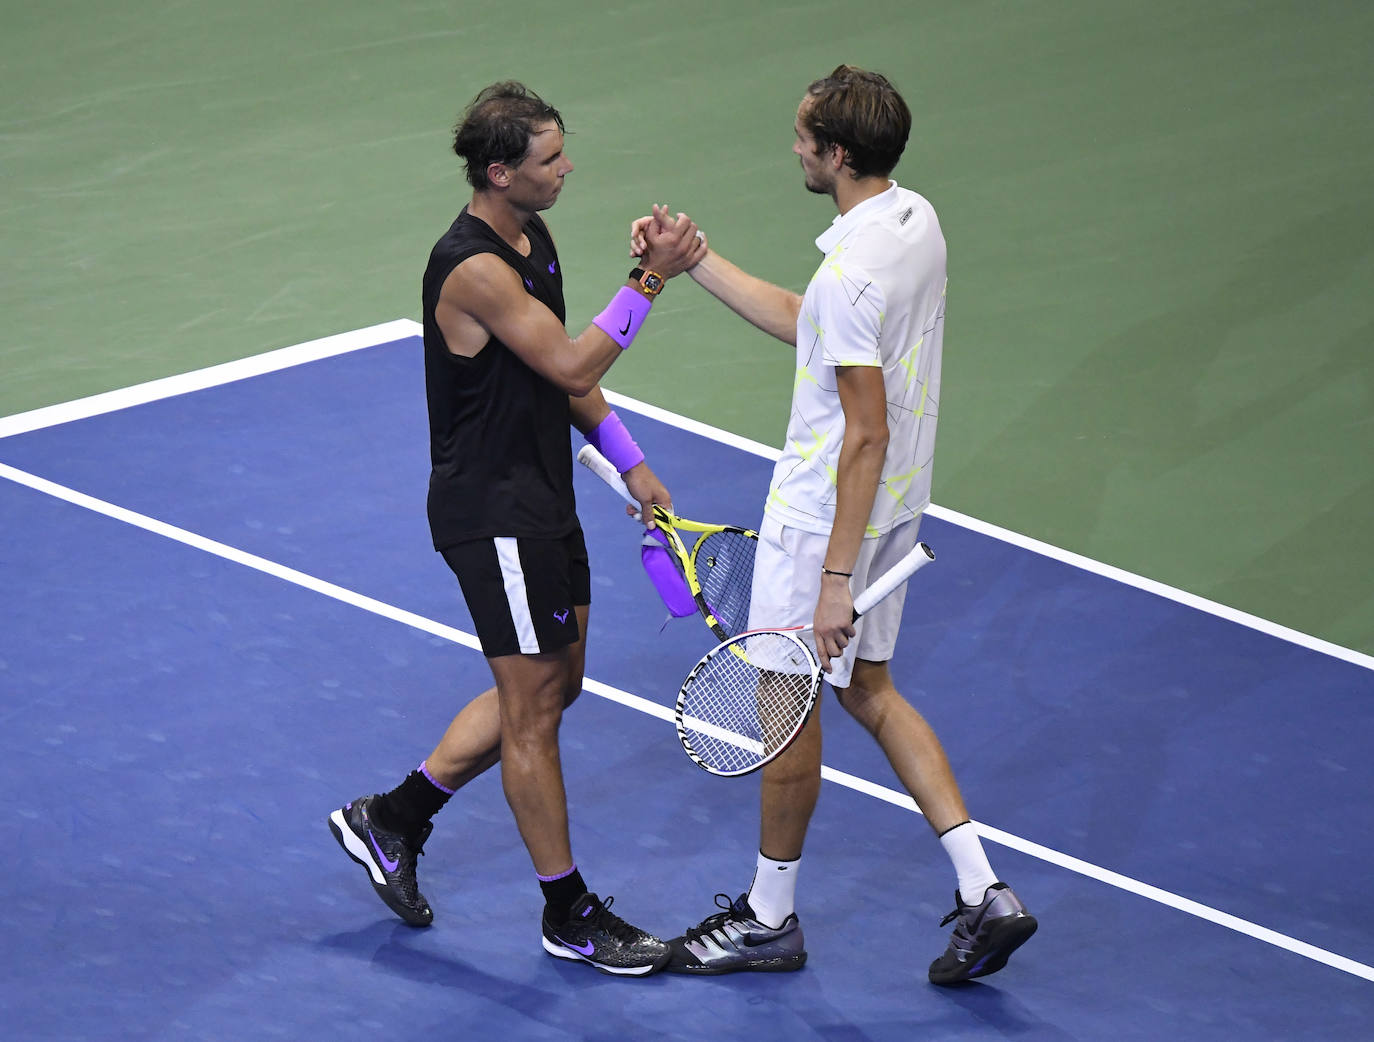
725,570
747,700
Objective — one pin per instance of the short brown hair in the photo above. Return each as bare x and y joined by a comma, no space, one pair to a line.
862,113
498,127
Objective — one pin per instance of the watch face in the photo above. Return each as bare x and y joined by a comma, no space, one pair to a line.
652,282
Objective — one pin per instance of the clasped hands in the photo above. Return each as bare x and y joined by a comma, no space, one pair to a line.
666,244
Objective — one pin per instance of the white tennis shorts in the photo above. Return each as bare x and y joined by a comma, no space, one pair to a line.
787,583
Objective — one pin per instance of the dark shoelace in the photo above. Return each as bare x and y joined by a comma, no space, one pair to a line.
712,922
616,926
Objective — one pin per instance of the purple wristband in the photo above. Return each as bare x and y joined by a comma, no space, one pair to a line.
612,440
623,316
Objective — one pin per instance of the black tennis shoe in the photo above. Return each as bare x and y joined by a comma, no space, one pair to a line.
388,857
733,940
984,937
596,936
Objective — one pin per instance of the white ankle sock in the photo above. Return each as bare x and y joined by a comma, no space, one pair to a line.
773,893
965,849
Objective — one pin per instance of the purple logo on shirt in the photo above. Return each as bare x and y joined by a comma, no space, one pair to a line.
552,266
561,616
529,284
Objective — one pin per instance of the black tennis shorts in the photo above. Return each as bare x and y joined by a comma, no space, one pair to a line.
522,592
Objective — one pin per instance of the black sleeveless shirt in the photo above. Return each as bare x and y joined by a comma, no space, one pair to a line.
500,451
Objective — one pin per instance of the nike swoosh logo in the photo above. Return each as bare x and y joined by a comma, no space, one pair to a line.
389,866
584,949
628,319
753,940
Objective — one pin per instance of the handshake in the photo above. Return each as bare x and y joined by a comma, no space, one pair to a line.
666,244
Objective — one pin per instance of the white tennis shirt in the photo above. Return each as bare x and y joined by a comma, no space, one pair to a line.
877,299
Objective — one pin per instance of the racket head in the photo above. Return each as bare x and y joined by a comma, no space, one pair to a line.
735,602
744,703
723,563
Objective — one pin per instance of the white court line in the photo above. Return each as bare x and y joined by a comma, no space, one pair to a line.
1068,557
371,336
213,376
644,705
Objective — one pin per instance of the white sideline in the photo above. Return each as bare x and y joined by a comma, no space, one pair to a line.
213,376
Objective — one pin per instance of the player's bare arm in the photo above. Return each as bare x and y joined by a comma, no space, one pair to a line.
587,413
484,297
762,304
864,401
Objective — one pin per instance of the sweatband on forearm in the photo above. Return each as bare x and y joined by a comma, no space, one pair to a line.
612,440
623,316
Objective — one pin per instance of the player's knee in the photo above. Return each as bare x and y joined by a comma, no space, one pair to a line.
851,698
855,694
531,732
863,700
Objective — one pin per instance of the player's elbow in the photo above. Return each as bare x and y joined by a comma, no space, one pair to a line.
573,377
579,385
869,440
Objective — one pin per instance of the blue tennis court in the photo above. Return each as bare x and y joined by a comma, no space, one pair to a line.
223,619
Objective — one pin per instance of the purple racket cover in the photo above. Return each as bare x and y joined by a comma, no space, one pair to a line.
663,573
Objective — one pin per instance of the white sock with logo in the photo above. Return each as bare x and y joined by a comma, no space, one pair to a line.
965,849
773,893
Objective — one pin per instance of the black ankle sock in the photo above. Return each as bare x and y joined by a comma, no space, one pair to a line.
560,893
408,807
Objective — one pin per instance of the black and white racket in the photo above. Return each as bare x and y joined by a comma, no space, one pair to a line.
748,698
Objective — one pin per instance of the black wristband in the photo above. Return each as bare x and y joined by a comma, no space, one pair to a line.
831,571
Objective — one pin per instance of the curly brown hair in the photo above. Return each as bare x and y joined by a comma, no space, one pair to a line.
498,127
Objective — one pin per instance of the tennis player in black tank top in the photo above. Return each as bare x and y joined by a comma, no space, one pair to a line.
504,381
499,446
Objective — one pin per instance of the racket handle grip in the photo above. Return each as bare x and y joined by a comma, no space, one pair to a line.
599,465
920,556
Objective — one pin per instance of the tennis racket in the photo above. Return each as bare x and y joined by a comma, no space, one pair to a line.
718,569
748,698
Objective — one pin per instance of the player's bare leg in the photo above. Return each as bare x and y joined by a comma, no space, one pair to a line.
472,744
759,931
909,743
991,922
530,690
791,787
